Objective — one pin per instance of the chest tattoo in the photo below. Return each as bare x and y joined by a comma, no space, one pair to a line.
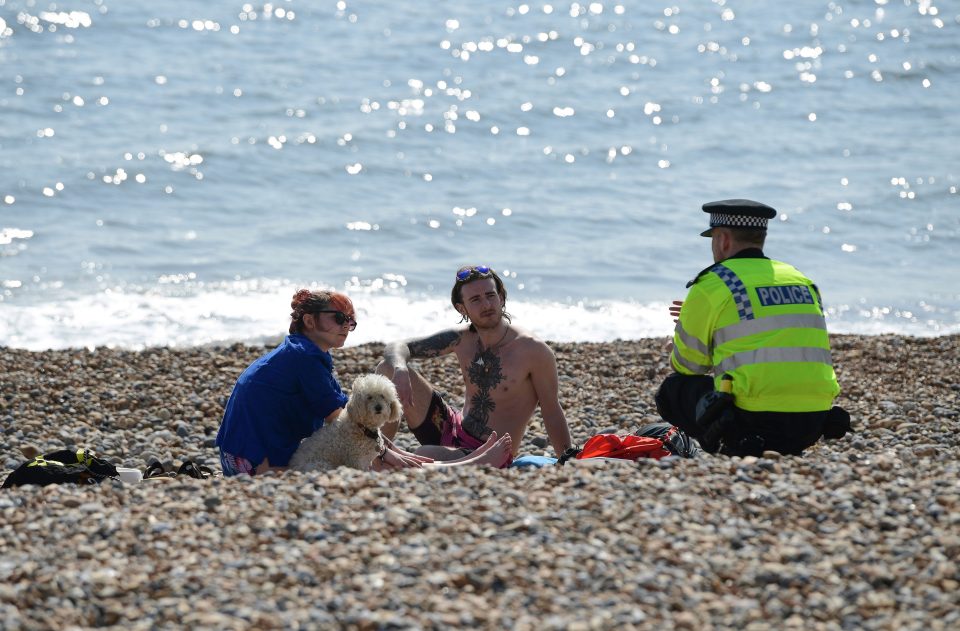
485,373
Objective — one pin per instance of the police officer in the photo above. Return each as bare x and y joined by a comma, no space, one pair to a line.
758,325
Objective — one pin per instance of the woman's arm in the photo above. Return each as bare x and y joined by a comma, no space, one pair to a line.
396,458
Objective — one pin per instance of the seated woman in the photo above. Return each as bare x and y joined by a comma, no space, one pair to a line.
290,392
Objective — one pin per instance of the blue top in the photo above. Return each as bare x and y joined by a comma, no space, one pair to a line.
279,400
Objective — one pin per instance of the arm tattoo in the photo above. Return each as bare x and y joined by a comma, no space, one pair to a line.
486,374
432,346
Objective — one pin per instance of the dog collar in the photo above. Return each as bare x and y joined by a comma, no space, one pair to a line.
369,433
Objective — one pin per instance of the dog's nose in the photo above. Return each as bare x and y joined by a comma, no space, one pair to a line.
378,408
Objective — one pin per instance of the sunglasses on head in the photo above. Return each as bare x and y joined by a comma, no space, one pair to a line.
340,317
481,270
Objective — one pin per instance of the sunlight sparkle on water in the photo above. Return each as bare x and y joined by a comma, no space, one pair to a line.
7,235
362,226
181,160
73,19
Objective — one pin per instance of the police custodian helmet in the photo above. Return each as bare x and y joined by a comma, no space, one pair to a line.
737,213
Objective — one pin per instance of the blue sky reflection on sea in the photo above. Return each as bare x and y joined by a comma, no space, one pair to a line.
236,147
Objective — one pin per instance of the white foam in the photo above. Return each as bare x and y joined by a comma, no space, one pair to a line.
257,311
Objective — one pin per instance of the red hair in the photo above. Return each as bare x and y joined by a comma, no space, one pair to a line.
307,301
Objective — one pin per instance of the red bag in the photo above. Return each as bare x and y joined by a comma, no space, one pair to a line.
628,447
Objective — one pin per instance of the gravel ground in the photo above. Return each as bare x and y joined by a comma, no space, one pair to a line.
861,533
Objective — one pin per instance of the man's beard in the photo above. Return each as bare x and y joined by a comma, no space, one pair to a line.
490,322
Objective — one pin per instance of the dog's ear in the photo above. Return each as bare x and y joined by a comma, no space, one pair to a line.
352,403
396,410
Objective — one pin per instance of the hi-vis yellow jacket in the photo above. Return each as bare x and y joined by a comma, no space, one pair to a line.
761,321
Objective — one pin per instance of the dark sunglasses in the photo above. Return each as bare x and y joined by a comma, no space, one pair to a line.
340,317
464,274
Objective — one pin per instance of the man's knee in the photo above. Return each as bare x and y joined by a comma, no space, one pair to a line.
660,399
668,397
421,392
677,397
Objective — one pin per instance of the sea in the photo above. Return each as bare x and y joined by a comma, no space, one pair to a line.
172,172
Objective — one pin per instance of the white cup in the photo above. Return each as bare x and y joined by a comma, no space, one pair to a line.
130,476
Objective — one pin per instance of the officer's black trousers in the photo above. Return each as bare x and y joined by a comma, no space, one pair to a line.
751,433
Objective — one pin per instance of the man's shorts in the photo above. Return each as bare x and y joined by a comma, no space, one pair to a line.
444,426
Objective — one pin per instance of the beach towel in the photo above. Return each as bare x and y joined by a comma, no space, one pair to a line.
532,461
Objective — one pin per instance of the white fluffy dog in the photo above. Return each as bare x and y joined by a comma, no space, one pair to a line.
354,439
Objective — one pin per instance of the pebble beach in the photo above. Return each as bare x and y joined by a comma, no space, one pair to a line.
860,533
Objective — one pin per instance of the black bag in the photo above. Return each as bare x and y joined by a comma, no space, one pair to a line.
62,467
675,440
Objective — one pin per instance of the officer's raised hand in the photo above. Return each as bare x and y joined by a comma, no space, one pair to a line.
675,309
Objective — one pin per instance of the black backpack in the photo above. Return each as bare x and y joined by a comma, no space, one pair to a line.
62,467
676,441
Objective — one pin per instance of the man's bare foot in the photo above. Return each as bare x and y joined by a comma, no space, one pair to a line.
496,455
495,452
491,441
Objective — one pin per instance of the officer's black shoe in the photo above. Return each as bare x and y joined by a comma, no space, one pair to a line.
837,423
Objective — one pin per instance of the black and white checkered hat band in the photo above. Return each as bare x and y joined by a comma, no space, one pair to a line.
721,220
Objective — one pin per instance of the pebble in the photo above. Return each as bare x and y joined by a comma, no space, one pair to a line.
858,533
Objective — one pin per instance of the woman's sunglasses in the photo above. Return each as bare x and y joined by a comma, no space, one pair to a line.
464,274
340,318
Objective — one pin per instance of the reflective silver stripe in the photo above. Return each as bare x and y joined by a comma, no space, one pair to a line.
768,355
690,341
771,323
697,369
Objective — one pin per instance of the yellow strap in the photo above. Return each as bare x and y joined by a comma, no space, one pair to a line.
39,461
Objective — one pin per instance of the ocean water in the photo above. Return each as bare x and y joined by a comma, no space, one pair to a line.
170,172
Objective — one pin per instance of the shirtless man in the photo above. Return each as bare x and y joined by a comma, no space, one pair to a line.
507,373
